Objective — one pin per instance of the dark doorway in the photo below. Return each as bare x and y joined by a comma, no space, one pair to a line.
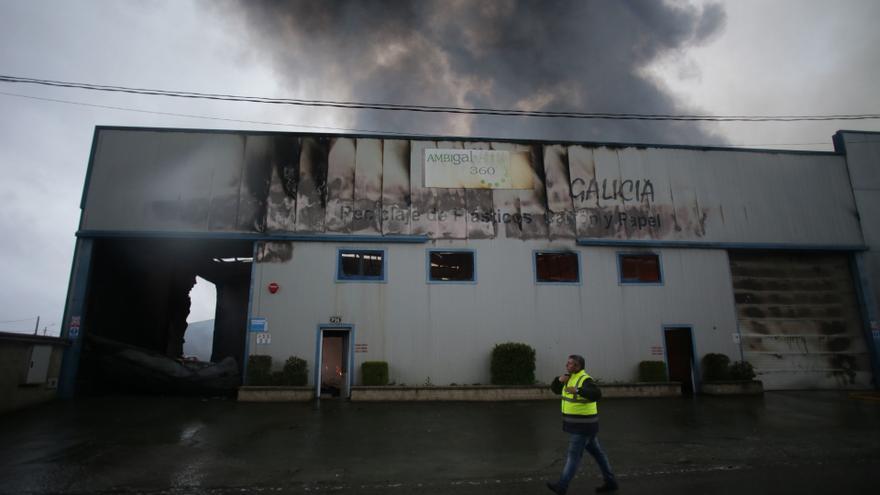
680,358
137,307
334,375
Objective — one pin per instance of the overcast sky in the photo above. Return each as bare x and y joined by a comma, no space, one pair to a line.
743,57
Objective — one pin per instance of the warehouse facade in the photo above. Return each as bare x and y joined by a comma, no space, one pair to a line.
425,253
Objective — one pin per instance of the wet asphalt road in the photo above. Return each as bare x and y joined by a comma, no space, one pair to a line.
792,442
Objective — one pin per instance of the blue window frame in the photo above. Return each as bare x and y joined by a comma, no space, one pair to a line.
452,266
557,267
360,265
640,268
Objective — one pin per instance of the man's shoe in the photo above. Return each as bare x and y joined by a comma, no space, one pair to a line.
555,488
608,486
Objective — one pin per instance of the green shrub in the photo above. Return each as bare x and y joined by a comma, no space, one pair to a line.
716,367
374,373
652,371
513,364
295,372
277,379
741,370
259,370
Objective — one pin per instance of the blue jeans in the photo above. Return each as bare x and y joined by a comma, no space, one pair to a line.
577,444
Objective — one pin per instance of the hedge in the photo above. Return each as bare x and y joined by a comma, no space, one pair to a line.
259,370
716,367
374,373
652,371
295,372
513,364
741,370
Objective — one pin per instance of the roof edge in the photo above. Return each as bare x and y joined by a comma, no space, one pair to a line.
595,144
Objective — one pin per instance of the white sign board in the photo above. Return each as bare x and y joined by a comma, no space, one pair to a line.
477,169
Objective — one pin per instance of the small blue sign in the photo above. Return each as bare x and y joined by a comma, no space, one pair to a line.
258,325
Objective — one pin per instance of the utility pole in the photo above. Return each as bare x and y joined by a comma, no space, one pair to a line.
37,326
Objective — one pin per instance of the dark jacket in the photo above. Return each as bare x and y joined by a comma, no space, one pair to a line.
588,390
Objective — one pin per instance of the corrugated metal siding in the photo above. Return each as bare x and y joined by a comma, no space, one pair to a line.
800,321
446,332
209,182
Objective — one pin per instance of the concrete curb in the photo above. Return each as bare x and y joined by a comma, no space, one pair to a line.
468,393
275,394
494,393
738,387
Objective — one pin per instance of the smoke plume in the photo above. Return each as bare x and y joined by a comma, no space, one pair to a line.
585,56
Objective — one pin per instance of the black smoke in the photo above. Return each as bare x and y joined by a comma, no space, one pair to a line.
585,56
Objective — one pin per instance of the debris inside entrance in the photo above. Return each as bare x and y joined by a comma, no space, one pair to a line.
142,370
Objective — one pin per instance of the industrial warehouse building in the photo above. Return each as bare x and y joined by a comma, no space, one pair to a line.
425,253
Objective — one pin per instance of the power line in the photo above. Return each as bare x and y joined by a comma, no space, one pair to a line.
330,128
432,109
207,117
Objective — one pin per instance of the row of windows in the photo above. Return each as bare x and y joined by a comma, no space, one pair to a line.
551,267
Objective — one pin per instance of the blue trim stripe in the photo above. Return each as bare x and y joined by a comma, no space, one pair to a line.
389,239
250,315
651,243
77,295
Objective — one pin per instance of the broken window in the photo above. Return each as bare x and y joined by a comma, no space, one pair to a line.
361,264
557,268
640,269
451,266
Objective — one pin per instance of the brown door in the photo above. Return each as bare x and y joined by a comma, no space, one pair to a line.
334,361
680,358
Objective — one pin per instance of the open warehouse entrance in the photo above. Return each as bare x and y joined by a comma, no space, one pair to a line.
138,303
798,315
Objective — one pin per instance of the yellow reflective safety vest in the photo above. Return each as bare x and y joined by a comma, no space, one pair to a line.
574,404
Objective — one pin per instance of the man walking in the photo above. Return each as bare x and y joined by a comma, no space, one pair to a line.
580,418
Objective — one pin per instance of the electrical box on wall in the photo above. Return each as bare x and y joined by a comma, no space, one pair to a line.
38,365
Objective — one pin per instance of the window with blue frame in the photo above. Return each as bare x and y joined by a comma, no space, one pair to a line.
360,264
451,266
557,267
641,268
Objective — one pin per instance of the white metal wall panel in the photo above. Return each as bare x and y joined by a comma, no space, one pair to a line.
451,204
560,209
863,156
445,332
340,184
164,181
395,187
481,222
863,162
367,213
424,200
281,211
312,185
199,181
